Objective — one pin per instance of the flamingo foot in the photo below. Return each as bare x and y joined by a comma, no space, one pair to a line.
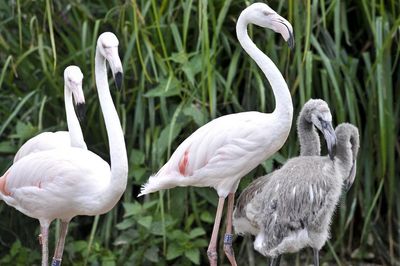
56,262
212,257
230,254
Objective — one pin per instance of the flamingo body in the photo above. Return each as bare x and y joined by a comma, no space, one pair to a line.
221,152
44,141
59,183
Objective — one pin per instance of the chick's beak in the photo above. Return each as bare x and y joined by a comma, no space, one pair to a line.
330,138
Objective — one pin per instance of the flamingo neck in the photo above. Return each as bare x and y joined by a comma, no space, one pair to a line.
74,128
344,153
118,156
308,137
283,99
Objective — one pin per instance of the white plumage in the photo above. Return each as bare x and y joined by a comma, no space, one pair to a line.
62,139
221,152
65,182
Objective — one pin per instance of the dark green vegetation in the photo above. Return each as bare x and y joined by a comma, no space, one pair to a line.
183,67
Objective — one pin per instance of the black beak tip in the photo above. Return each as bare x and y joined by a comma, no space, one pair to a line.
81,111
346,186
332,152
290,41
118,80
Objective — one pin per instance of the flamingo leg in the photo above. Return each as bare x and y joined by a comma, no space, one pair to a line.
43,239
60,244
275,261
230,254
212,247
316,257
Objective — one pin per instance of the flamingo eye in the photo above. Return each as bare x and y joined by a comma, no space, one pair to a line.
267,13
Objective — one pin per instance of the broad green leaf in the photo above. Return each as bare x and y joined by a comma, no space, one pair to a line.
145,221
173,251
193,255
196,232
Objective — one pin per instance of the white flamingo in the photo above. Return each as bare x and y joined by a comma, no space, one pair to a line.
66,182
221,152
73,93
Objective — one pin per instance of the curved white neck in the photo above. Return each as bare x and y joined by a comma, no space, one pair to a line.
283,100
118,156
74,128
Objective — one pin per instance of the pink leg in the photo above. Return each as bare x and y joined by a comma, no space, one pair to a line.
212,247
228,235
44,236
60,244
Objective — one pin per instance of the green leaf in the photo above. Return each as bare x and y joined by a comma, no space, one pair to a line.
162,142
199,243
79,246
173,251
137,172
192,68
193,255
132,208
24,131
179,57
145,221
7,147
166,88
125,224
206,217
196,232
152,254
136,157
195,113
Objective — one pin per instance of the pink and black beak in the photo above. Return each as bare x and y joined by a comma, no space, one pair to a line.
283,27
80,106
115,65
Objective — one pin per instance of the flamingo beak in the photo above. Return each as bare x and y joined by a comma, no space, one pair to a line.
283,27
118,79
79,100
81,111
348,182
330,138
115,65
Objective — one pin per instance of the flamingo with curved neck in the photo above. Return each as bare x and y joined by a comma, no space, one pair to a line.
64,183
62,139
222,151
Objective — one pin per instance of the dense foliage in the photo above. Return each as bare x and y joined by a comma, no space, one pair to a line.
183,67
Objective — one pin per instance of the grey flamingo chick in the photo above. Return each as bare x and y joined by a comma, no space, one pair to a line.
314,114
292,207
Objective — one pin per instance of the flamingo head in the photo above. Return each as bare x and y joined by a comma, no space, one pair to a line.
73,82
262,15
107,44
320,115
